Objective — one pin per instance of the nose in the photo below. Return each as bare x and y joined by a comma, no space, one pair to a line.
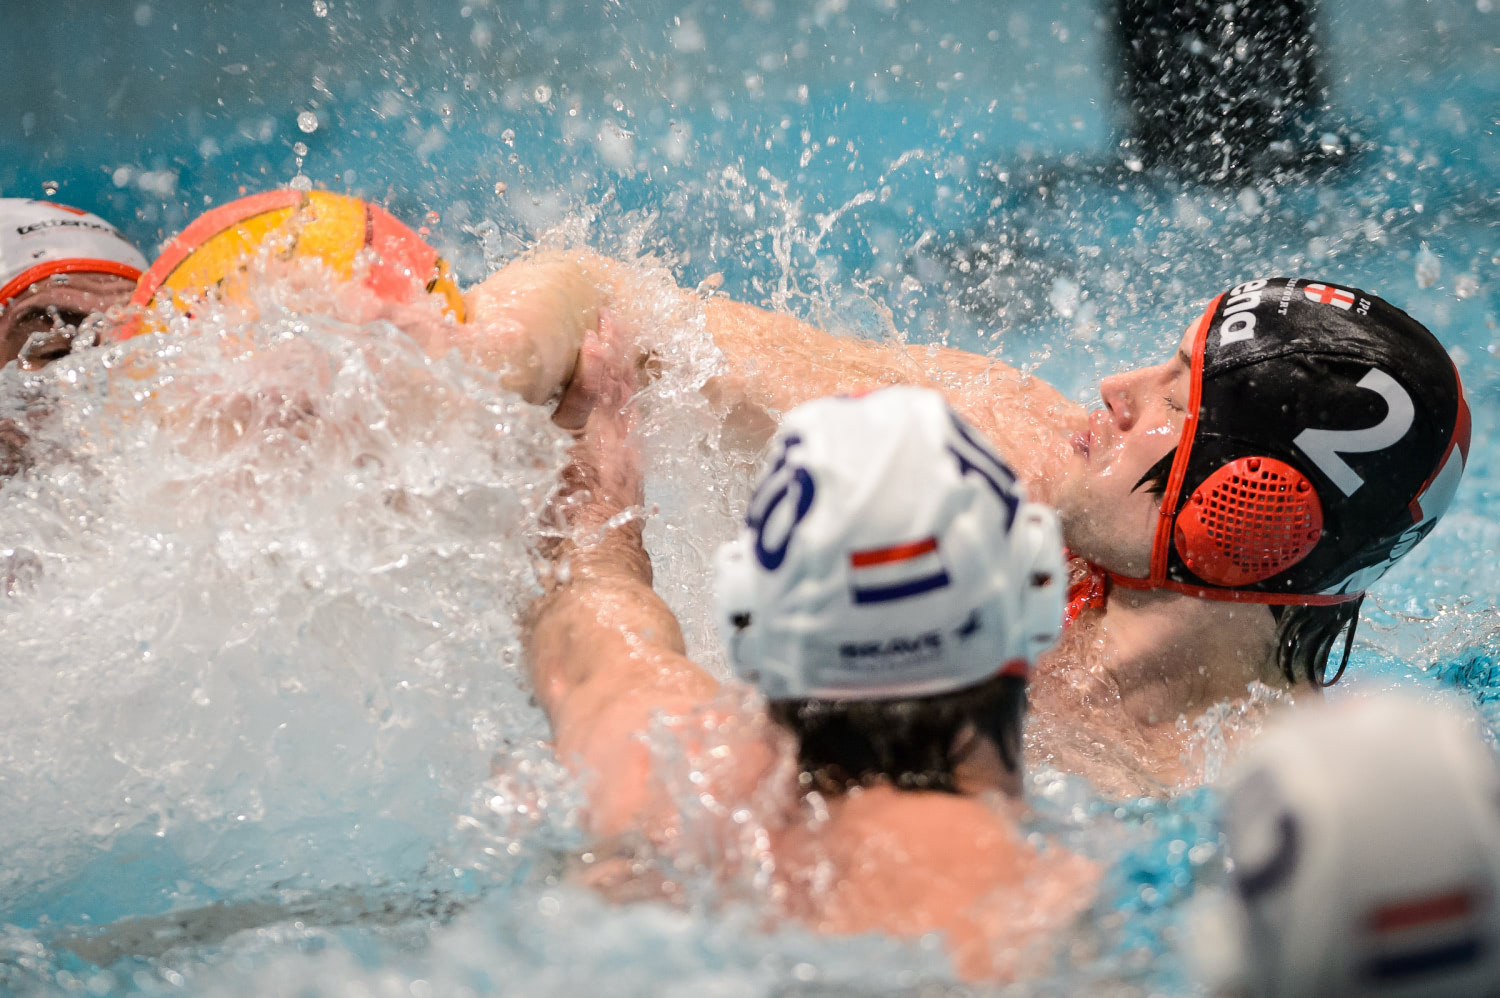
1119,395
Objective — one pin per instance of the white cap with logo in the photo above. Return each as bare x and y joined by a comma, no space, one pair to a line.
1365,839
41,238
887,552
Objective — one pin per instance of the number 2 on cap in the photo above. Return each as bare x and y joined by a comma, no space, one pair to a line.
1326,447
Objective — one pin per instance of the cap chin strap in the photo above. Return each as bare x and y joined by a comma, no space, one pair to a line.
72,265
1233,595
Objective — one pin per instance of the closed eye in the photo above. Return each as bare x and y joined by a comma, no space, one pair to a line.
39,317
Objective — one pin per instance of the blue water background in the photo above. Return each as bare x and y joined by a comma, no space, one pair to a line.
841,158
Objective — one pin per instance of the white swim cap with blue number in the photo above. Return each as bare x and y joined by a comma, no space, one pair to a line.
887,552
39,239
1365,839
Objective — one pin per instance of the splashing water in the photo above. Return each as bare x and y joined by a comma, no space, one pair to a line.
264,729
271,591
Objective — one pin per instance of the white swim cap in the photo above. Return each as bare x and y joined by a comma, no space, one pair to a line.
41,238
888,552
1366,847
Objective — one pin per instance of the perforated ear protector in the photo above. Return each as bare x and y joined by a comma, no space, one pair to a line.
1038,552
1253,518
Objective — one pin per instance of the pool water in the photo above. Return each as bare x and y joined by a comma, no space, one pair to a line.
263,729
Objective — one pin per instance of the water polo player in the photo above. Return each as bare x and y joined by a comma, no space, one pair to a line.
1365,840
1227,508
890,632
58,266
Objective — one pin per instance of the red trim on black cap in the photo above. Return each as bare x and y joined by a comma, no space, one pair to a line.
1162,540
1161,546
1239,595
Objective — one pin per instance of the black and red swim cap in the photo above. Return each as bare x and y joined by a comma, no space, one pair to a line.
1326,434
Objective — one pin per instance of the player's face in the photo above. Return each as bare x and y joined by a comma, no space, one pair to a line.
56,304
1110,520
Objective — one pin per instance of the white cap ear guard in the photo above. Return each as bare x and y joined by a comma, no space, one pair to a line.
887,552
1366,846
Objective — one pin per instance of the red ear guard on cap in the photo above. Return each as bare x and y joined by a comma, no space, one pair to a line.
1253,518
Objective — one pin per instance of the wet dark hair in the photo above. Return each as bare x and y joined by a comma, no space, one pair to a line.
1305,635
914,743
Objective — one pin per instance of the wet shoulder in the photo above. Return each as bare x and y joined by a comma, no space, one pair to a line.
890,843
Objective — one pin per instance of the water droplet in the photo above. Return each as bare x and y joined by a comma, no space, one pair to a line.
1429,267
300,148
1466,285
143,15
1064,297
308,122
500,188
542,94
508,136
1331,144
50,187
301,182
320,8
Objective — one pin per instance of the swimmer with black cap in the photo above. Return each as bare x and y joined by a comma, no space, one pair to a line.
1350,410
58,266
889,632
1322,434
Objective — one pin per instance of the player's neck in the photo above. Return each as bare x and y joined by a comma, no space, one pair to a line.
1173,654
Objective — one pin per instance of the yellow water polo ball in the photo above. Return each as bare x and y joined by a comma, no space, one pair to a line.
210,257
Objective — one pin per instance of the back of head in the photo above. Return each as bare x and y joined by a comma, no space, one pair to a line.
1366,847
888,558
41,239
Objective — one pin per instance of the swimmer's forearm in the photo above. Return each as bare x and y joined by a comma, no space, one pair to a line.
606,657
780,362
605,628
777,362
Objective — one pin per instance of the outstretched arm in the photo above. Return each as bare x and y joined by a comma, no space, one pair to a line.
530,317
605,653
777,362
